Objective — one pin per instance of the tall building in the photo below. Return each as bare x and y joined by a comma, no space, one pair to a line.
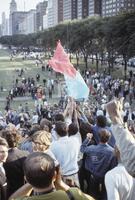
111,7
95,7
70,9
28,24
60,10
40,12
52,15
18,26
13,8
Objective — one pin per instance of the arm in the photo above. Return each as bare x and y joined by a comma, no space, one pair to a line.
69,109
84,146
25,190
124,139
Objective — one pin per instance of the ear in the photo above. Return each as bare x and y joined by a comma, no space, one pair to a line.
54,177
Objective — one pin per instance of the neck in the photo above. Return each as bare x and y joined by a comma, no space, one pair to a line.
43,190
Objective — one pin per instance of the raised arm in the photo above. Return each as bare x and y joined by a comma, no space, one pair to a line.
124,139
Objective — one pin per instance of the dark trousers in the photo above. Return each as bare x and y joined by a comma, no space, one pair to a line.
96,186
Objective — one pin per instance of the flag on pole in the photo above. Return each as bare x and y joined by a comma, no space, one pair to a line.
61,63
75,83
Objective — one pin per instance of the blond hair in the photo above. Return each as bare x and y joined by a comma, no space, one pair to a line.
42,140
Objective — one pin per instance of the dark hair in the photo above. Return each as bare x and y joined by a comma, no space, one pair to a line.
61,128
101,121
104,135
72,129
59,117
84,129
34,129
12,137
39,169
44,123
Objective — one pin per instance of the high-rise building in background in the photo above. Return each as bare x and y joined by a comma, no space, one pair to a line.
112,8
70,9
95,7
49,13
13,8
60,10
40,12
28,23
18,25
52,16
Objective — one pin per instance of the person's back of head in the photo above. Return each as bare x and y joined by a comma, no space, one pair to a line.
59,117
72,129
45,124
34,129
39,169
12,137
101,121
42,140
61,128
104,135
84,129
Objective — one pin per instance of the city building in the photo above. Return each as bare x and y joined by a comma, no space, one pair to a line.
70,9
31,22
13,8
83,9
60,10
95,7
40,12
28,24
114,7
52,16
18,25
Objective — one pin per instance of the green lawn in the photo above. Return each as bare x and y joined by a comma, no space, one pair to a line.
8,75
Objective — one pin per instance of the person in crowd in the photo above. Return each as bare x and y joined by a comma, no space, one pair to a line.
26,144
122,185
3,158
124,138
101,122
99,159
14,163
45,181
68,159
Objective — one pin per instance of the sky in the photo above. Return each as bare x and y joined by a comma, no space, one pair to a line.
21,5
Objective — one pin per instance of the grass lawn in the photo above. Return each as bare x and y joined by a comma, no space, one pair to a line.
8,75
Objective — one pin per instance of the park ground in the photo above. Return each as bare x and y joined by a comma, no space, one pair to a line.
8,75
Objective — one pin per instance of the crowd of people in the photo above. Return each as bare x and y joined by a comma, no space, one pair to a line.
70,150
76,152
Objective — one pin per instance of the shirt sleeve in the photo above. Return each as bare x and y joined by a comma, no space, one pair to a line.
84,146
126,145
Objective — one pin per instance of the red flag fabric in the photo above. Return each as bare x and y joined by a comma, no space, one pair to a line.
61,63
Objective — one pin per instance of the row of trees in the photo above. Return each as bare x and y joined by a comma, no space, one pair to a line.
98,38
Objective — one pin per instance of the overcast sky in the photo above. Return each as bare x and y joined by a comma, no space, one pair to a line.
21,5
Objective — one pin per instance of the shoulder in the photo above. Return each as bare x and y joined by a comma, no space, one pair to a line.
79,195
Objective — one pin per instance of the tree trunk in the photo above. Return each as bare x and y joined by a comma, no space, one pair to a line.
77,60
92,59
125,69
86,62
97,63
